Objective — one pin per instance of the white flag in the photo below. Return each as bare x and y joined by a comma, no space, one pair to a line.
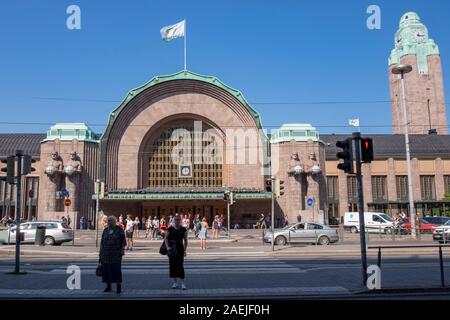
174,31
353,122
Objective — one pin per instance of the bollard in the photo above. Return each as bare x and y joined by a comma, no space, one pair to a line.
379,257
441,263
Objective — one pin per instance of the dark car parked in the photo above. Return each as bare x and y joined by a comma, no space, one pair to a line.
439,221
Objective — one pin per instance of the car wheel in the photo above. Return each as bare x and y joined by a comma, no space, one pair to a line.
354,230
324,240
49,241
388,231
280,241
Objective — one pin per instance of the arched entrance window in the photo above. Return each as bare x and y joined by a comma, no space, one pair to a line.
186,154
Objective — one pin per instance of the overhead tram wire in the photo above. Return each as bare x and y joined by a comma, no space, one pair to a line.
250,102
225,127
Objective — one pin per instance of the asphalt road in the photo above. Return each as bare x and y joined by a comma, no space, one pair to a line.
238,268
229,275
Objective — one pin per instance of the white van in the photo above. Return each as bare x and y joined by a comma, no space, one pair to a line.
375,222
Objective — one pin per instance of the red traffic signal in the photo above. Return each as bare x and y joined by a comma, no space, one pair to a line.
268,185
366,150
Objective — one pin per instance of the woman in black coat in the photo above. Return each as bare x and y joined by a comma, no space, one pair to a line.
112,249
176,240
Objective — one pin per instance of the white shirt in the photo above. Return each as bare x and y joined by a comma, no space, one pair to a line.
130,225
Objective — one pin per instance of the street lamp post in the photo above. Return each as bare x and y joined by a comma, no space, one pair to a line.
402,70
97,200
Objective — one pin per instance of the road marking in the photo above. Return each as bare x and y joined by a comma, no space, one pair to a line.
160,267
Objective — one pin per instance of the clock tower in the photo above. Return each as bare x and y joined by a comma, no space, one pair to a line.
424,87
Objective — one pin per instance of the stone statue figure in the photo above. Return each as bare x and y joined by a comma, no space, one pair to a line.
73,165
55,166
294,166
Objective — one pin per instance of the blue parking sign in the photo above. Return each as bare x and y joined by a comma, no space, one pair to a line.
310,202
65,193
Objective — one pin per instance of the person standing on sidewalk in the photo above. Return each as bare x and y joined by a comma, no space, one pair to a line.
129,230
286,220
144,220
155,228
267,221
136,227
216,227
186,222
111,252
176,240
196,225
203,233
148,226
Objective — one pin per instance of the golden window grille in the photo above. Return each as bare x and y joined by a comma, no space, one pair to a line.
163,172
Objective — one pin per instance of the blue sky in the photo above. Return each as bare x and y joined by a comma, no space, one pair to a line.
285,57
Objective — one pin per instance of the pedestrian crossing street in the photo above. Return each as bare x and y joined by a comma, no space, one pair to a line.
201,267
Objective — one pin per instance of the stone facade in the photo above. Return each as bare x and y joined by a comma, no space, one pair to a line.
82,157
299,186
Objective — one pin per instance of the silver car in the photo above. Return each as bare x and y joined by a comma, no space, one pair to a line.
303,232
56,232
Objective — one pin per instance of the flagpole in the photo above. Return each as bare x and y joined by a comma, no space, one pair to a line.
185,35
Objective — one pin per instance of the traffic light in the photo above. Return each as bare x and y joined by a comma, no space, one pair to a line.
279,188
226,196
366,150
27,164
268,185
9,161
346,154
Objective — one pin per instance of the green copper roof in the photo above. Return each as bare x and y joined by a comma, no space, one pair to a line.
70,131
412,38
297,132
184,75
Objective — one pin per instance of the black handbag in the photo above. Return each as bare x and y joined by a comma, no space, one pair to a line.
99,270
163,249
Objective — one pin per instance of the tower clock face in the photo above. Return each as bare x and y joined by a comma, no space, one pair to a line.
185,171
420,36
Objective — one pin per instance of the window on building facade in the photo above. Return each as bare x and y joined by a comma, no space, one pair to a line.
7,199
333,200
427,188
332,188
402,187
164,172
352,189
447,184
379,188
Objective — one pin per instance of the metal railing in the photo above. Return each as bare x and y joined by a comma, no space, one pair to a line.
440,246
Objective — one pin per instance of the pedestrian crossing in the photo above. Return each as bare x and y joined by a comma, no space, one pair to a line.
200,267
